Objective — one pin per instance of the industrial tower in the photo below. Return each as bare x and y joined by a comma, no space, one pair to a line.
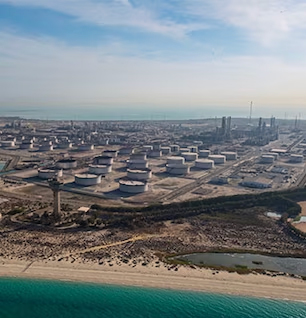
55,185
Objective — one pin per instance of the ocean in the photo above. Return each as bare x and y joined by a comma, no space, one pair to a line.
35,298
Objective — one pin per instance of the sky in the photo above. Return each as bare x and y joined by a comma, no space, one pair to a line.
165,55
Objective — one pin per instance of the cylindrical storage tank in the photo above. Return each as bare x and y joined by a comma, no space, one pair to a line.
147,148
142,175
138,156
87,179
99,169
67,164
175,160
193,148
204,153
217,159
165,150
7,143
175,148
46,147
177,169
49,173
64,145
182,150
86,147
103,160
229,155
110,153
26,145
190,156
155,153
204,164
267,159
132,186
126,151
296,158
137,164
156,147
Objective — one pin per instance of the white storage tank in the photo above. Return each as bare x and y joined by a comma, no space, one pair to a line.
267,159
193,148
7,143
26,145
138,156
204,164
165,150
87,179
217,159
46,147
296,158
99,169
103,160
229,155
110,153
142,175
177,169
46,174
155,153
126,151
64,145
147,148
67,164
132,186
190,156
175,148
175,160
204,153
137,164
86,147
182,150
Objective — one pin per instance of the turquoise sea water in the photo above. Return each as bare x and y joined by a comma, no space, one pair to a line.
32,298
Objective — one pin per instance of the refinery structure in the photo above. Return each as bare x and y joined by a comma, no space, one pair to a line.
151,161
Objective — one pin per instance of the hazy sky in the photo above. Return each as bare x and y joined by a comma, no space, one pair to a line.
158,53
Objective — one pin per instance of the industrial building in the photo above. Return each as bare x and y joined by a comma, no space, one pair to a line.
259,183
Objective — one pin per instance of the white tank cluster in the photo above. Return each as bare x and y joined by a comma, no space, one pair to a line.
175,160
165,150
177,169
217,159
103,160
175,148
87,179
132,186
296,158
204,153
66,164
268,159
86,147
204,164
142,175
46,174
99,169
230,155
190,156
110,153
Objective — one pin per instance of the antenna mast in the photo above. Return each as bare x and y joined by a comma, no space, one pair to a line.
251,110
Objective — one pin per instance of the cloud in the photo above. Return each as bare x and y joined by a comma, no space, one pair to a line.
120,13
44,72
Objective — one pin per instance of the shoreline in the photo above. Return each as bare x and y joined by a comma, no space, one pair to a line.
184,278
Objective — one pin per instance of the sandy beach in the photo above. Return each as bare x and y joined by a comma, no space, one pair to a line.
184,278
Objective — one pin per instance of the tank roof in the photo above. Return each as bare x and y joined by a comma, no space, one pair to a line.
86,176
131,182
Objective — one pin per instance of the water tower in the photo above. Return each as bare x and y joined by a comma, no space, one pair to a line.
55,184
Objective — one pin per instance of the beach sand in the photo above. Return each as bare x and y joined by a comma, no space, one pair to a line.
160,276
